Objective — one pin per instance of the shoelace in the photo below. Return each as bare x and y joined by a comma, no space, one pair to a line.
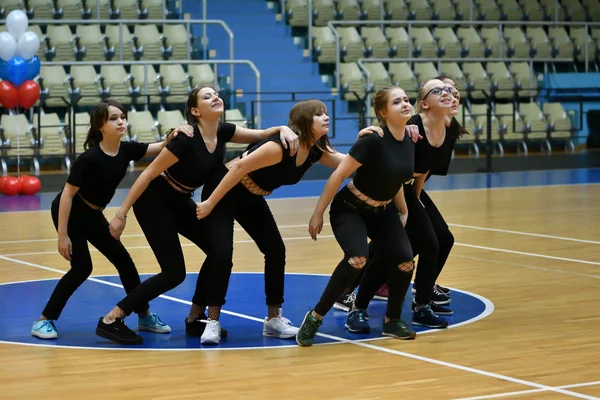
351,297
438,292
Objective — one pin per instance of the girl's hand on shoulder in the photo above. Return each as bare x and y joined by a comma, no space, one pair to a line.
187,130
370,130
413,132
289,139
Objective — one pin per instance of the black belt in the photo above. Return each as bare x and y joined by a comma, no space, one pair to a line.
358,204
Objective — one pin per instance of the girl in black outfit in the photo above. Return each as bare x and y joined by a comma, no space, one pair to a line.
77,214
264,167
361,210
164,207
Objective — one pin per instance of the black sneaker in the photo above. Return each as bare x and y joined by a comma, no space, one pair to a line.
440,298
345,302
118,332
196,327
398,329
356,322
442,289
424,316
439,310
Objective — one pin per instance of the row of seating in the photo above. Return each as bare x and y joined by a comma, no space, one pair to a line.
88,9
296,11
503,80
171,84
50,136
464,41
91,43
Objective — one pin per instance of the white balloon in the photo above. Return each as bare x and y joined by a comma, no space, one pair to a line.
17,23
7,46
28,46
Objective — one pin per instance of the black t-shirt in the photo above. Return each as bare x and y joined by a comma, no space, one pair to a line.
97,174
284,172
429,158
196,164
386,164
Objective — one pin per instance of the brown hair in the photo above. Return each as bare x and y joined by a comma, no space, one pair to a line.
301,122
379,102
98,116
192,102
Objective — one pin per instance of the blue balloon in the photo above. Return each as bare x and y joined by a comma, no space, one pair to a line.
16,70
33,68
3,74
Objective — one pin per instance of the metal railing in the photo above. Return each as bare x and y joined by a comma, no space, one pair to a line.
173,62
410,24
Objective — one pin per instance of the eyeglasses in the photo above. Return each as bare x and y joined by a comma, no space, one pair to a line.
437,91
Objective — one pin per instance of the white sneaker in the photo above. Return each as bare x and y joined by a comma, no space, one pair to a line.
212,332
279,327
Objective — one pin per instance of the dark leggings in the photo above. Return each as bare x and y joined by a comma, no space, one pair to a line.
86,224
353,223
254,216
163,213
430,239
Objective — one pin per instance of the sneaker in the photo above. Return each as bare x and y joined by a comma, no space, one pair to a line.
424,316
440,298
153,323
279,327
118,332
398,329
356,322
44,329
308,330
439,310
443,289
196,327
345,302
382,293
212,332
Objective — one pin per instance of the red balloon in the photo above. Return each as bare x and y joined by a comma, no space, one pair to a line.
12,186
29,93
9,95
2,182
30,185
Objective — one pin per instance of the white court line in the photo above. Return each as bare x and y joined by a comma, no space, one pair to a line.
525,233
360,344
494,396
503,262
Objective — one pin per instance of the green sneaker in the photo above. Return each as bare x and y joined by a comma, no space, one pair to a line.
308,330
398,329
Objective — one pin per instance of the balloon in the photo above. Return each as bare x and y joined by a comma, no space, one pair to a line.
16,70
2,182
3,74
12,186
8,46
29,93
30,185
9,95
17,23
28,45
33,67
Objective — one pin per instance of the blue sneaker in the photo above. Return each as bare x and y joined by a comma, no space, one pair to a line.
356,321
44,329
424,316
153,323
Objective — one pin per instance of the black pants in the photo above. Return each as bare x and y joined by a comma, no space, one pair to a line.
163,213
254,216
86,224
430,239
353,222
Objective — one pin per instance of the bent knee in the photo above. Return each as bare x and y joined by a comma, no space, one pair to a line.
357,262
407,266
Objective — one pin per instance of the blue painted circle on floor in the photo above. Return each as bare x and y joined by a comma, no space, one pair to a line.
242,316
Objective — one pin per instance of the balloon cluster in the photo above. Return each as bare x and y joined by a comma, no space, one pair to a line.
25,184
18,63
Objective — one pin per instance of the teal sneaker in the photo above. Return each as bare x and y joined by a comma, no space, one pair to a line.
44,329
153,323
398,329
308,330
